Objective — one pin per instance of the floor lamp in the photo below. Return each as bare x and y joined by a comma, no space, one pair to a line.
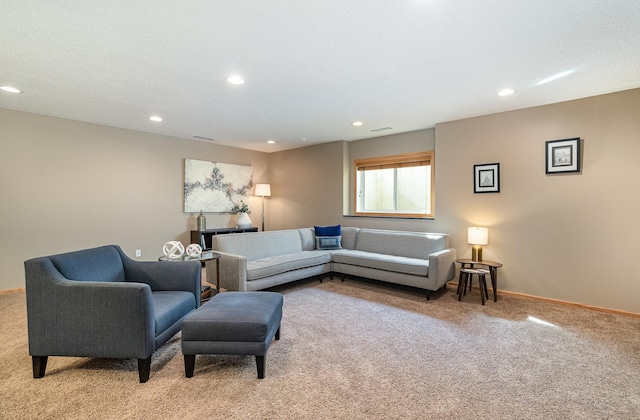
263,190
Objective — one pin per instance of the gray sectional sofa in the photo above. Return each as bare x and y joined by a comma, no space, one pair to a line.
255,261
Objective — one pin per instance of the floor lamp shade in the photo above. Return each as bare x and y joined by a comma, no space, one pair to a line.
477,236
263,190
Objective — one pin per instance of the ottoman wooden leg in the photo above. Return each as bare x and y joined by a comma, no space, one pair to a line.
260,365
40,365
189,364
277,337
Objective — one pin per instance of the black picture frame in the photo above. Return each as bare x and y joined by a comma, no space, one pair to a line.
562,156
486,178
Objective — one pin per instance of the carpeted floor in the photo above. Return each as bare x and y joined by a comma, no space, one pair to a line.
358,350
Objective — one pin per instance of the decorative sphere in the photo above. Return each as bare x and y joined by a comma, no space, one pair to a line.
194,250
173,249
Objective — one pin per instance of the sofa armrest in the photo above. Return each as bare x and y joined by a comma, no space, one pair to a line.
164,275
233,271
86,318
442,267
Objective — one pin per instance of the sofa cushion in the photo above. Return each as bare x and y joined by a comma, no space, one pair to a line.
260,244
278,264
328,237
414,266
328,242
349,236
307,238
327,230
402,244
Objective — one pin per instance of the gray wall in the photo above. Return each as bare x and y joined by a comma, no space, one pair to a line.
307,186
566,237
67,185
572,237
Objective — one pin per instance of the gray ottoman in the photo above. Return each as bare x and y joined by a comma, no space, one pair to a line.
233,323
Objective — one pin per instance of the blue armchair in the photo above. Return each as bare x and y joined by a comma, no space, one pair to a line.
100,303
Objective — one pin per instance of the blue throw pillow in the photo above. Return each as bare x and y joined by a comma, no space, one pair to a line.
328,230
328,242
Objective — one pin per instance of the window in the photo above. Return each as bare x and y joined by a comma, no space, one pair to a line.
398,186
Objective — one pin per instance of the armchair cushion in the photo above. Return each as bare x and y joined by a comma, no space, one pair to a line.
170,307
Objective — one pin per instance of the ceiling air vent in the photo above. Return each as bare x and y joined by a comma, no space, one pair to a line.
380,129
203,138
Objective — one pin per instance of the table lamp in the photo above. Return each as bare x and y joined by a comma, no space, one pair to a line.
477,236
263,190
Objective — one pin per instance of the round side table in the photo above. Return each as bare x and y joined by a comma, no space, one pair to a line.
492,266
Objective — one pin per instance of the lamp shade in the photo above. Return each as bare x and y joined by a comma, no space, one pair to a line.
263,190
478,236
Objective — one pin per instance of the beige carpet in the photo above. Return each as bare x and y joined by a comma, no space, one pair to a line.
358,350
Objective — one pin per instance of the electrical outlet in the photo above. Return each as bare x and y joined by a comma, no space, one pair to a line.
138,253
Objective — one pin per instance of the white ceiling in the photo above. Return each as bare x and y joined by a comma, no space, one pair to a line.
311,67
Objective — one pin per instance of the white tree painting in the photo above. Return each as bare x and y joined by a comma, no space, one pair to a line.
214,187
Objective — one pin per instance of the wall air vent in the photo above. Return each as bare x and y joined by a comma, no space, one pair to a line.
380,129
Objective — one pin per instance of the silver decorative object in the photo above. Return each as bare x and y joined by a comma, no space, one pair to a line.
201,222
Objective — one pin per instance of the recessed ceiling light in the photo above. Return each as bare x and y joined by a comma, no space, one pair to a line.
357,123
506,92
234,79
271,141
155,118
10,89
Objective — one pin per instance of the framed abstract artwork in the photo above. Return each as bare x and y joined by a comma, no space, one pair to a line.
215,187
486,178
562,156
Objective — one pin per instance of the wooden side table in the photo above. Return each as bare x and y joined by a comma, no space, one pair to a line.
492,266
466,275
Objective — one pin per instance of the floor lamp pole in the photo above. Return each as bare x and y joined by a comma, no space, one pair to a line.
263,190
263,213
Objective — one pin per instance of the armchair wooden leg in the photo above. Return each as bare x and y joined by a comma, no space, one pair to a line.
260,365
39,365
144,368
277,337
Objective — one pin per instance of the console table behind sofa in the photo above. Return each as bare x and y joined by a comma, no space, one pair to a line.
203,237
